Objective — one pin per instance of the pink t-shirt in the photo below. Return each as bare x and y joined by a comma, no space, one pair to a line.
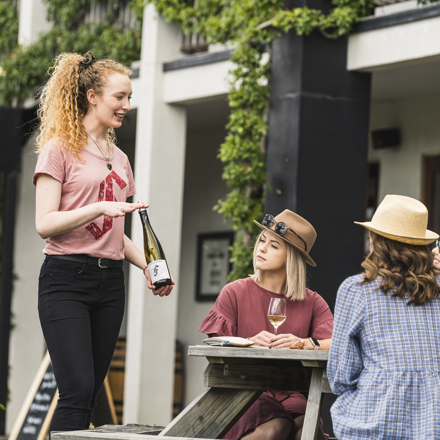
83,184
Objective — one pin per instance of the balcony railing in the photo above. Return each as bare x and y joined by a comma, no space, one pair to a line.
120,13
193,43
387,2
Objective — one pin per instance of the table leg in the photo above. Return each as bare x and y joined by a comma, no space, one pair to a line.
311,418
212,414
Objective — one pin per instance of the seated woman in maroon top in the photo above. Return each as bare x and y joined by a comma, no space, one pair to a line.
280,257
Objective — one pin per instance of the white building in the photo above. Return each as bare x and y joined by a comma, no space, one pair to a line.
173,134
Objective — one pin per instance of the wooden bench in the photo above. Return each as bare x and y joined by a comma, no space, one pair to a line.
116,432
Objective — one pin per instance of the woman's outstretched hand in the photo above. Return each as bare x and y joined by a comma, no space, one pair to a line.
119,209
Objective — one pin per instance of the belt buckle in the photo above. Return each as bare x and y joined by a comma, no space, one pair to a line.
102,266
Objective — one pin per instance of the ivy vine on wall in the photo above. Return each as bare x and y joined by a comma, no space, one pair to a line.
24,69
249,25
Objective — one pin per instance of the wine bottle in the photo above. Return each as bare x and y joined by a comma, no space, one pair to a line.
154,254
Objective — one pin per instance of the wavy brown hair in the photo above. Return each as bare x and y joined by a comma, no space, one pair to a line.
406,270
64,103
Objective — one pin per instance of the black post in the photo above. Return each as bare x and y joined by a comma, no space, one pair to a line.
10,153
6,286
317,151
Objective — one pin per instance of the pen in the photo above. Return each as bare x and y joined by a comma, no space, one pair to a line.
299,345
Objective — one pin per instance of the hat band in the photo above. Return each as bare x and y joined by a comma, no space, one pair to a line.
299,236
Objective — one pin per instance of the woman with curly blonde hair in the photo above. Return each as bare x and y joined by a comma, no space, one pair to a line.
385,354
82,182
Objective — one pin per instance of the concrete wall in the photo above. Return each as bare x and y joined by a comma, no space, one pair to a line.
408,43
203,187
159,168
401,168
32,21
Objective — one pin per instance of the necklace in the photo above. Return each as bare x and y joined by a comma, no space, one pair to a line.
109,165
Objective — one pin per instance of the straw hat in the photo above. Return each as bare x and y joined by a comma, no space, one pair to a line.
301,234
401,219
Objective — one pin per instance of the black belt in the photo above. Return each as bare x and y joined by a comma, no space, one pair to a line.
103,263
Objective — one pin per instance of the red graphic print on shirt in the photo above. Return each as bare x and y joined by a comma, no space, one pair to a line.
106,193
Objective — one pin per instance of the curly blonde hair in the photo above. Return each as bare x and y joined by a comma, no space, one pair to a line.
406,270
64,103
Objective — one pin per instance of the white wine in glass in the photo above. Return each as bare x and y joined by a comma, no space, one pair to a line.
277,312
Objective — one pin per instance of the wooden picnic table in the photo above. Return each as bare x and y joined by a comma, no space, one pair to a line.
236,377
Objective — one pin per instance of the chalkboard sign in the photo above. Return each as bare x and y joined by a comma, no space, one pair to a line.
34,418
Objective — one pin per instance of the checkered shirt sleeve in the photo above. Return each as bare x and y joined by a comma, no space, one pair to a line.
345,362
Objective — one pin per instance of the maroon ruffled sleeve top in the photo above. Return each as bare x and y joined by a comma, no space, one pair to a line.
241,310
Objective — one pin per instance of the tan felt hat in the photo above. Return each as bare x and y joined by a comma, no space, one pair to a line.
301,234
403,219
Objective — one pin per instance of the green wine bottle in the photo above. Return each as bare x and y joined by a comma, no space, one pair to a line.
154,254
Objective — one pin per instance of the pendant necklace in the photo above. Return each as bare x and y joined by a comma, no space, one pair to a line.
109,165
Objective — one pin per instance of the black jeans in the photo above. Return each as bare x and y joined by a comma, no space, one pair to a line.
81,307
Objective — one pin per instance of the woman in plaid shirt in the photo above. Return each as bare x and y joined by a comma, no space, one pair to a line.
384,359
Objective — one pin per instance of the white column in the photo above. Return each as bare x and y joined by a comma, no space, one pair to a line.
32,21
159,175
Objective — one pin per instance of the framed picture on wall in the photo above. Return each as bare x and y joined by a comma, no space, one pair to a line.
213,264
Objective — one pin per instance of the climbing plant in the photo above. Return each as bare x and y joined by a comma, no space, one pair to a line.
250,26
8,27
24,68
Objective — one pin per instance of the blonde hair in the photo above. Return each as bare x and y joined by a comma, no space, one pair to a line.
64,103
296,274
406,271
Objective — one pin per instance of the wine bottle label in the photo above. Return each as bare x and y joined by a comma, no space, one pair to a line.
158,271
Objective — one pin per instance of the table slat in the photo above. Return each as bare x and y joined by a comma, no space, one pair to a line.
90,435
257,353
257,377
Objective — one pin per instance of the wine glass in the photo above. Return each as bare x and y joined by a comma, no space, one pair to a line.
277,312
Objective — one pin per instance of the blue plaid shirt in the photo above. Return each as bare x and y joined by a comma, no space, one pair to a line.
384,365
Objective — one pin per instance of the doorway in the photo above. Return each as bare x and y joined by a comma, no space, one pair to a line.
431,190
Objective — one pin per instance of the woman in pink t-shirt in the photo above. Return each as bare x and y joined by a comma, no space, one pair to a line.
82,182
280,257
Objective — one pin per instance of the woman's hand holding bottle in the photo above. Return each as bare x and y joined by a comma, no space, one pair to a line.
161,291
